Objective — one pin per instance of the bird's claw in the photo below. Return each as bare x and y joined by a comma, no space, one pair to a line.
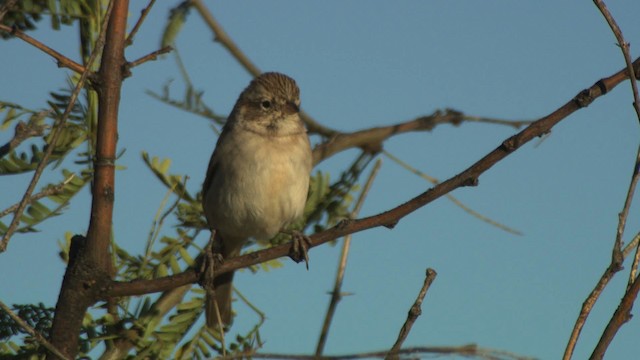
299,248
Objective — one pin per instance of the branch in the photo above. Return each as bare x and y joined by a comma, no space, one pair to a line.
624,47
412,316
89,257
136,27
372,139
618,255
31,331
336,294
149,57
623,312
620,316
468,177
63,61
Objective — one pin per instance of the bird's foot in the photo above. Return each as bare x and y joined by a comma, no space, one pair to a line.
211,260
299,246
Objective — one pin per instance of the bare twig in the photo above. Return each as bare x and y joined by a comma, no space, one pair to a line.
470,350
151,56
620,316
412,316
223,38
623,218
624,47
31,331
336,294
633,244
617,257
371,139
468,177
453,199
136,27
63,61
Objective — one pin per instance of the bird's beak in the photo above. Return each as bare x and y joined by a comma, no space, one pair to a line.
290,108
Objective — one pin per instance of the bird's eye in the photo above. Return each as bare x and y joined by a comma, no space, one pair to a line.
266,104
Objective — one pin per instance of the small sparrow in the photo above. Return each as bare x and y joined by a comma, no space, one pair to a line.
258,177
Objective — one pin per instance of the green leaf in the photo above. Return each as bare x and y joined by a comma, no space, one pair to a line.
177,18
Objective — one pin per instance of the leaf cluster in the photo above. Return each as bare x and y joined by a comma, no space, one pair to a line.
26,13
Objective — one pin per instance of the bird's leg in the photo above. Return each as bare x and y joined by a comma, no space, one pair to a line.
211,258
299,246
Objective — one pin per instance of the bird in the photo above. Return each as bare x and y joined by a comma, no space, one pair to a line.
257,180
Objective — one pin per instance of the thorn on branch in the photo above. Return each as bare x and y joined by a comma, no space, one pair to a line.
390,225
473,181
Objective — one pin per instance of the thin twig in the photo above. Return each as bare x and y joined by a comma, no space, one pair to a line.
136,27
633,244
151,56
624,47
517,124
48,191
63,61
372,138
57,130
453,199
31,331
336,294
617,258
412,316
623,218
223,38
622,313
620,316
470,350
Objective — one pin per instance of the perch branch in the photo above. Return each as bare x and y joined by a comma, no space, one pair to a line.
452,198
468,177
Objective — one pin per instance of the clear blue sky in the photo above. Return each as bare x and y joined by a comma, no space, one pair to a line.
362,64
